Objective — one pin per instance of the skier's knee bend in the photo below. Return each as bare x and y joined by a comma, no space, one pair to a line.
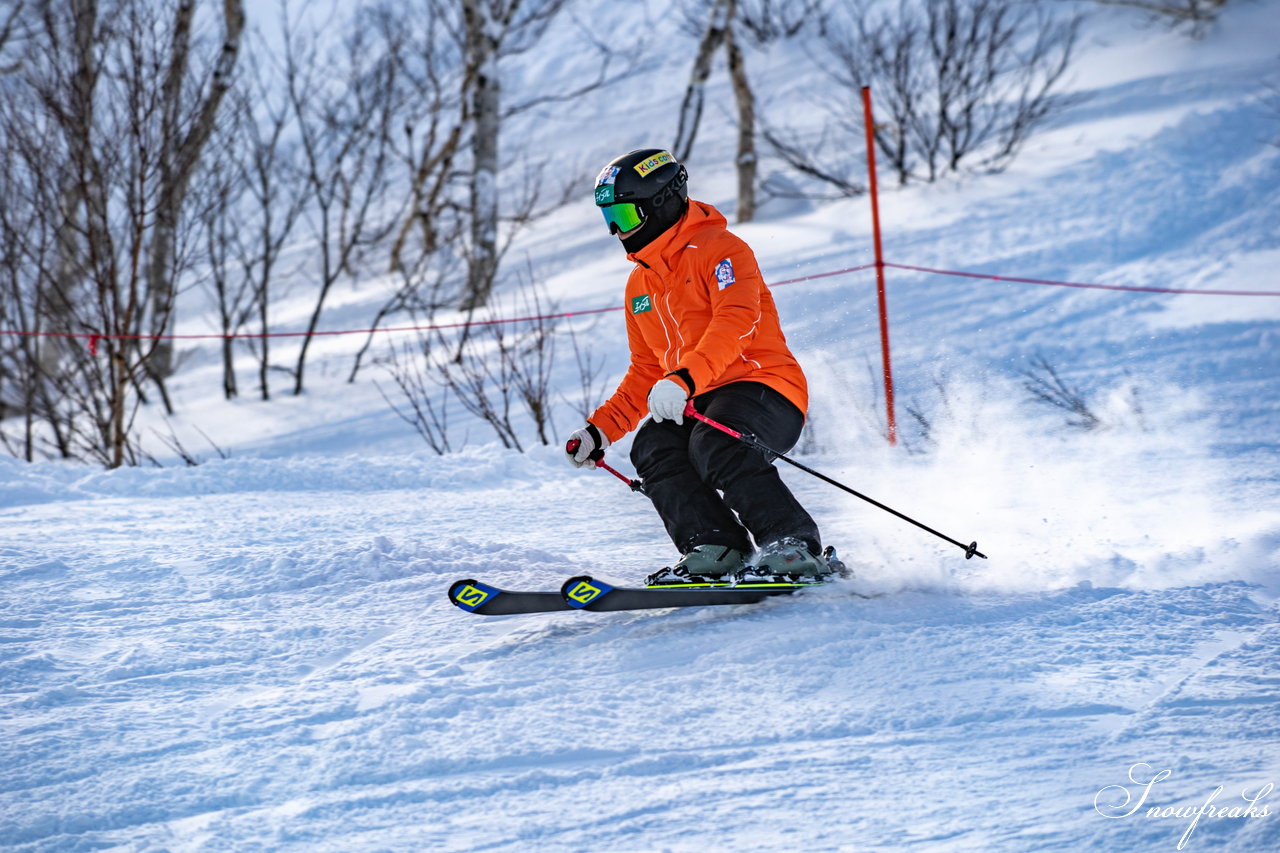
717,457
653,445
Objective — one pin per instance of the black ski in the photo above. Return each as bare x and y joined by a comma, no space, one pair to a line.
476,597
587,593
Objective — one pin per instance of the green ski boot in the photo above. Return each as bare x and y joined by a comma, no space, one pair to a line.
704,564
791,559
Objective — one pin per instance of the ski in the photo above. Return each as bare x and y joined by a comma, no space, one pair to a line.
587,593
664,588
476,597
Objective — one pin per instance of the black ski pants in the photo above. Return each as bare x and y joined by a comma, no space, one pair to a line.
686,468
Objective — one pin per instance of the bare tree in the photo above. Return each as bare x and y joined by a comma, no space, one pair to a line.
435,122
492,29
591,391
479,377
25,245
717,26
427,242
425,403
728,25
220,229
106,113
531,358
16,26
494,372
956,81
186,120
273,193
484,23
768,21
720,32
342,107
825,159
1195,16
746,159
260,196
444,228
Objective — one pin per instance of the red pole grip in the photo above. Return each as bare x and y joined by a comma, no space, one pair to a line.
571,447
691,412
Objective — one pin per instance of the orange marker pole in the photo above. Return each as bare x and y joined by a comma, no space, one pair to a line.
880,295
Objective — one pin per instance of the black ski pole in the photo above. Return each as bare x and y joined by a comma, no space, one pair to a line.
970,550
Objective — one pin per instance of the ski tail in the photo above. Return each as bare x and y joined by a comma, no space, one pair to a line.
475,597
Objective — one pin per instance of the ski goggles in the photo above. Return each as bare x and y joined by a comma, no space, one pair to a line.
624,216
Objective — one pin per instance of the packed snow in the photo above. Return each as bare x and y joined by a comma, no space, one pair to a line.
256,653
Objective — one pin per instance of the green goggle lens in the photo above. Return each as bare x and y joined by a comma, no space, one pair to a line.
624,215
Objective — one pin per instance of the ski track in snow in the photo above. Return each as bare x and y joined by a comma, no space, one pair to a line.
218,672
257,653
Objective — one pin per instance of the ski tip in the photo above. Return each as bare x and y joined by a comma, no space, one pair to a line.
458,585
470,594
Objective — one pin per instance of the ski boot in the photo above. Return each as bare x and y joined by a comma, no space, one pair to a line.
789,560
705,564
837,566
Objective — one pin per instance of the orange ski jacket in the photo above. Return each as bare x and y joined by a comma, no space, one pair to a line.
697,306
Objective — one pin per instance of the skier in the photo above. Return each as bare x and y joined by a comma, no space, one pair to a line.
702,326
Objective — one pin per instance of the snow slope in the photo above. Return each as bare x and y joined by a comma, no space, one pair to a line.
238,668
257,654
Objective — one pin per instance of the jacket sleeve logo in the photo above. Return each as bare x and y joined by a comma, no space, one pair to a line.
724,274
641,304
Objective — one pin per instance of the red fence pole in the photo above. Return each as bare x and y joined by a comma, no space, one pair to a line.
875,228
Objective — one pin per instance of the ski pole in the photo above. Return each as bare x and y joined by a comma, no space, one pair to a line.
571,447
970,550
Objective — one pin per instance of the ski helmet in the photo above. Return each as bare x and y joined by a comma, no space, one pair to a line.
644,191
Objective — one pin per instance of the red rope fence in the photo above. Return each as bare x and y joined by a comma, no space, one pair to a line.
94,337
1128,287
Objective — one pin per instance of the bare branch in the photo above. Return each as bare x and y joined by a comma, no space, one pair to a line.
955,81
1046,386
1197,16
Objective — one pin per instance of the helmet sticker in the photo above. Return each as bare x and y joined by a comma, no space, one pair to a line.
724,274
644,167
604,184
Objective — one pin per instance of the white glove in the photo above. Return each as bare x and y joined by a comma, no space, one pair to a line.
667,400
588,440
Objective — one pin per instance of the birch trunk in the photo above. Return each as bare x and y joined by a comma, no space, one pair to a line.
746,159
483,39
179,159
722,12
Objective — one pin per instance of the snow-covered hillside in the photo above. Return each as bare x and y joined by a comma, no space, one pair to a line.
257,653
